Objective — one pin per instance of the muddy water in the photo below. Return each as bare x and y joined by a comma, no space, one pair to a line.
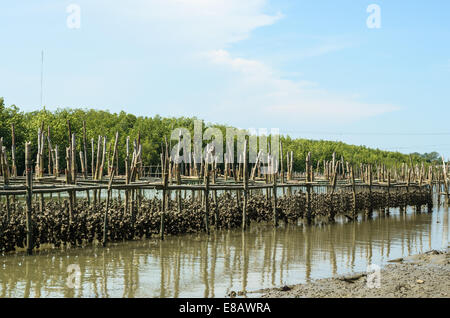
229,260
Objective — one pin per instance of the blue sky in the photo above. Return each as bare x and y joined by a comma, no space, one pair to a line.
311,68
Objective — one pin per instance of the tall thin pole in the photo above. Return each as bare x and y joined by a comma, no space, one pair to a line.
29,185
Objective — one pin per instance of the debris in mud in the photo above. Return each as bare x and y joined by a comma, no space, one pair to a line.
232,294
352,278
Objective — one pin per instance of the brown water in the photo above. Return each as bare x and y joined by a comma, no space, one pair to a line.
202,266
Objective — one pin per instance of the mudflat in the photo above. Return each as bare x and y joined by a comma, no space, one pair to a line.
416,276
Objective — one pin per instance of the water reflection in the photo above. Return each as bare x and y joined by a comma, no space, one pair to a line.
202,266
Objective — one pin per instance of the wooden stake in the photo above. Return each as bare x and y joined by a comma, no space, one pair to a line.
13,151
245,175
207,210
108,197
274,203
29,185
352,176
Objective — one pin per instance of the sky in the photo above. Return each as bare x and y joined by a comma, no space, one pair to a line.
313,69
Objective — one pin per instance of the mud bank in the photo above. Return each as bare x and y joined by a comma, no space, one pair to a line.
416,276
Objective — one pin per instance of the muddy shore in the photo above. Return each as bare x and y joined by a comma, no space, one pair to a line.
424,275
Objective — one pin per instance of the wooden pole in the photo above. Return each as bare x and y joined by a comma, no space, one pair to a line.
29,185
69,181
207,177
97,165
389,190
178,168
5,171
274,198
288,166
108,159
308,188
164,196
291,163
127,175
51,155
430,184
82,162
216,203
85,151
100,172
108,197
93,168
49,146
56,161
444,170
245,175
2,166
369,214
13,151
281,164
352,175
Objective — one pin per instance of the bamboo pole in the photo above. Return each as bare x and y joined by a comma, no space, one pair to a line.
2,166
444,170
274,203
51,155
245,175
13,152
308,187
85,156
207,207
29,185
5,171
127,174
93,168
291,163
281,164
164,193
49,146
369,214
216,203
108,197
352,176
100,172
97,165
69,181
178,171
388,190
56,161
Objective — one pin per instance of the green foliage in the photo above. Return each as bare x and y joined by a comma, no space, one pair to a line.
432,157
153,130
323,150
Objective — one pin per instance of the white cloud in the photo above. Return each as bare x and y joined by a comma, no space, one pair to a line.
265,94
177,33
322,50
201,23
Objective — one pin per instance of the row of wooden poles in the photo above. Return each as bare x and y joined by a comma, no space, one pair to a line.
134,168
208,171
